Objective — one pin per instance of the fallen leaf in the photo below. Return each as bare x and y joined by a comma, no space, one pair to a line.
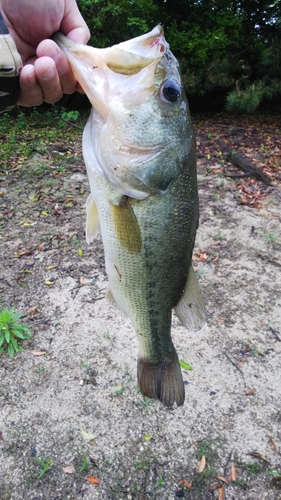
147,437
202,464
38,353
31,310
93,480
258,455
49,282
222,479
185,365
274,444
221,493
26,252
233,472
68,469
250,392
186,484
88,436
215,486
276,475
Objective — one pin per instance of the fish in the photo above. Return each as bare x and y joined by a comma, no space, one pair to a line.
140,154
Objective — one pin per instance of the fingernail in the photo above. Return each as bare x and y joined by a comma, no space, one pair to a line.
32,80
50,73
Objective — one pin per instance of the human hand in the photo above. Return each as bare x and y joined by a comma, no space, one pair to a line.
46,73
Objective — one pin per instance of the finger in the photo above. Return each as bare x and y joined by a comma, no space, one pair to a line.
50,49
48,78
73,24
31,93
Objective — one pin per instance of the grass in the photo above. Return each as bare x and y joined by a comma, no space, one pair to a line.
40,133
11,332
83,464
271,239
45,465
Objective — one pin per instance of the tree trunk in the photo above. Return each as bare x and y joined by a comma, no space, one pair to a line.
242,163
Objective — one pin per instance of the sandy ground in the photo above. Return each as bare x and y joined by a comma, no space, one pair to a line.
84,381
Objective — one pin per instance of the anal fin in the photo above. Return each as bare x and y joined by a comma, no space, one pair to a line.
161,380
92,220
190,310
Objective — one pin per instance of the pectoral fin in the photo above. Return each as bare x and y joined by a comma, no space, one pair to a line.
191,310
126,226
92,220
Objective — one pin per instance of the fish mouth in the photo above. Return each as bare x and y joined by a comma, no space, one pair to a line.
100,70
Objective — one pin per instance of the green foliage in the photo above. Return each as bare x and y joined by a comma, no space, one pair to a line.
83,464
71,116
249,99
34,134
11,332
230,46
115,21
45,465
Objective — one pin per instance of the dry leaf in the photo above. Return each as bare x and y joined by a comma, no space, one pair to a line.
68,469
250,392
221,493
233,473
215,486
202,464
222,479
89,437
258,455
186,484
274,444
31,310
38,353
93,480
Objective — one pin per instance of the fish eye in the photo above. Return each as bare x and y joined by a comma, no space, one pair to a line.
170,91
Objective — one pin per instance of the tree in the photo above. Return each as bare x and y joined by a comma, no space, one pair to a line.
234,46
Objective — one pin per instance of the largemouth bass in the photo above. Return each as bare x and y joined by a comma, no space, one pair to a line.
139,150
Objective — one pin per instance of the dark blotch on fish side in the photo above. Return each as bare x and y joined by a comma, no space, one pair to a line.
162,380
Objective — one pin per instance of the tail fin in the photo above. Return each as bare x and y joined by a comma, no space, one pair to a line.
162,380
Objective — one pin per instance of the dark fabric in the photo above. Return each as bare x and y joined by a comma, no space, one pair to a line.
9,92
10,66
3,28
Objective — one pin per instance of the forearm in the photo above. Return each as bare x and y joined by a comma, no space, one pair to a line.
10,66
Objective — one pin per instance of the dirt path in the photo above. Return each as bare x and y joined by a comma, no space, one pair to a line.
84,381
